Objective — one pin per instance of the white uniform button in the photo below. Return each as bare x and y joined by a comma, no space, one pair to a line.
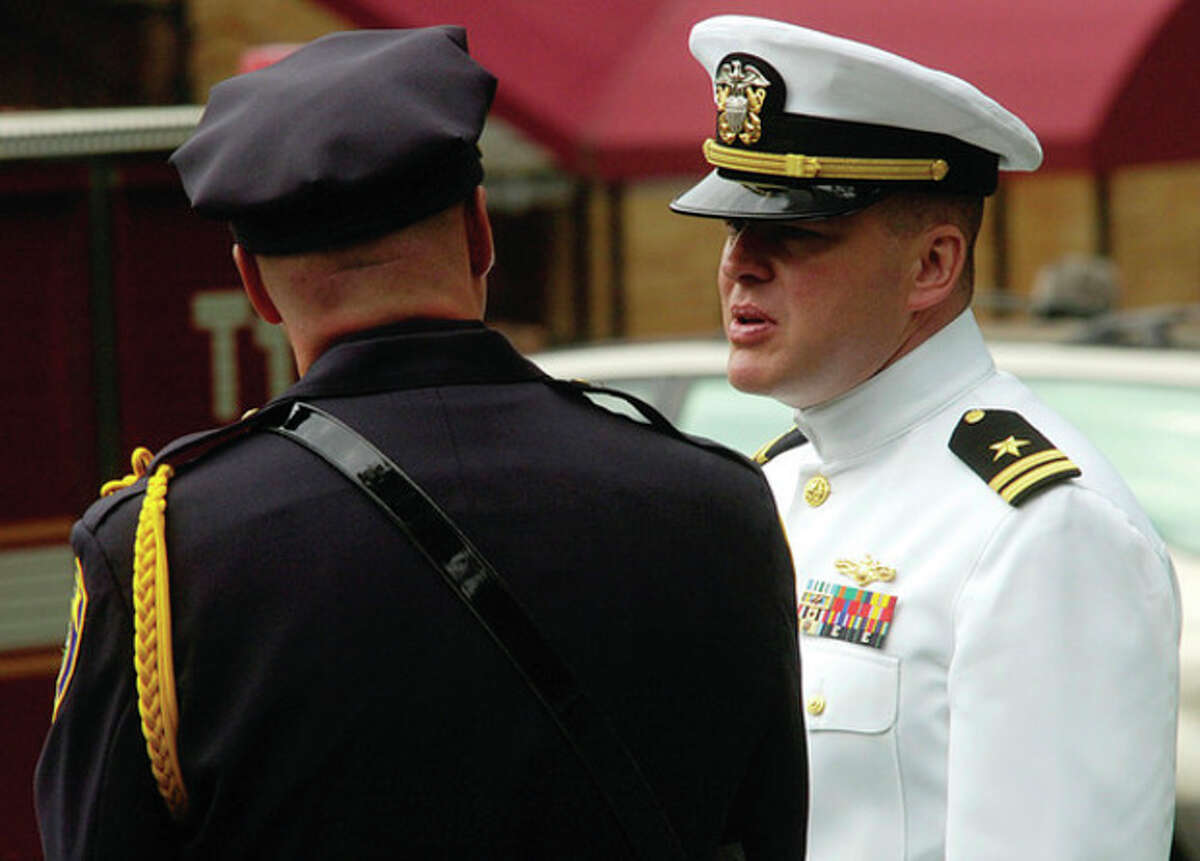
816,704
816,490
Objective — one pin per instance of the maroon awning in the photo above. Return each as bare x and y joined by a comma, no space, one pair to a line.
611,88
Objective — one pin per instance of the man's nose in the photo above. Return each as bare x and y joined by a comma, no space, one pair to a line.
743,258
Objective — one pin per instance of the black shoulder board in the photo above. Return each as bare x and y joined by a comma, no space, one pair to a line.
789,439
644,411
178,453
650,416
1009,454
194,446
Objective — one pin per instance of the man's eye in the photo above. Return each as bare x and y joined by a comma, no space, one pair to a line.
788,231
771,233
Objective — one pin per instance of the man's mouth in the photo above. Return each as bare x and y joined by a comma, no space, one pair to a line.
749,318
748,323
745,314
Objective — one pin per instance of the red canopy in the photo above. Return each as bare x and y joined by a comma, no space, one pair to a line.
611,88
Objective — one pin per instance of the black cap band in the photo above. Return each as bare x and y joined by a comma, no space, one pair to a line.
361,214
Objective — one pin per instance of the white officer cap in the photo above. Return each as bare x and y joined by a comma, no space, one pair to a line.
811,125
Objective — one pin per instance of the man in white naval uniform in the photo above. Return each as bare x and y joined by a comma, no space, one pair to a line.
989,622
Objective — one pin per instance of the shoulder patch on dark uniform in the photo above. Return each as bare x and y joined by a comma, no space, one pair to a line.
1009,454
786,440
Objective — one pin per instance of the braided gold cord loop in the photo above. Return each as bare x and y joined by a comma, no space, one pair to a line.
140,462
152,654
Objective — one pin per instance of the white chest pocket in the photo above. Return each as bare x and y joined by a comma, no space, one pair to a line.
851,701
849,688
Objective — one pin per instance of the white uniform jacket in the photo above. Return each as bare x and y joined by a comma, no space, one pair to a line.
1008,688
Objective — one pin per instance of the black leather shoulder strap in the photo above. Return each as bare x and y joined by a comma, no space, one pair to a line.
481,588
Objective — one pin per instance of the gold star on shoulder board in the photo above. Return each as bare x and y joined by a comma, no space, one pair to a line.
1012,446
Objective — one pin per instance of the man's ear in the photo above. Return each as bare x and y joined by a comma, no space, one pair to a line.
479,234
252,283
942,253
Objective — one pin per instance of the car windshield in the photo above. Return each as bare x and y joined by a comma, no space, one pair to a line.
1152,436
715,409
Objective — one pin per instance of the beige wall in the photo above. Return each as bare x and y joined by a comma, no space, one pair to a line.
1049,216
1156,232
671,264
1154,229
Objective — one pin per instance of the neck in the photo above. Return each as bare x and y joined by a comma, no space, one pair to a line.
309,344
924,325
324,298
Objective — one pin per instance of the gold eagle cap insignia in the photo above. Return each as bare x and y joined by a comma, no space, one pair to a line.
740,92
865,572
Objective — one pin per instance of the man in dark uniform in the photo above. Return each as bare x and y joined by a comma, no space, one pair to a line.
261,664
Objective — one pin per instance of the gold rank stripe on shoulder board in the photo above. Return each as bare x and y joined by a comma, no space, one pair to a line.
1008,453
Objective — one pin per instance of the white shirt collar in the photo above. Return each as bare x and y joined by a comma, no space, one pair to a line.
900,396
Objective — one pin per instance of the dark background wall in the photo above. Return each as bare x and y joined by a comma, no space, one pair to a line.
92,53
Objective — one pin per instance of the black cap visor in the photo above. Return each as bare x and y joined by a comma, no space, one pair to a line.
718,197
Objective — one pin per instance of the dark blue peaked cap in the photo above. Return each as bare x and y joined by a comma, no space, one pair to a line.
350,137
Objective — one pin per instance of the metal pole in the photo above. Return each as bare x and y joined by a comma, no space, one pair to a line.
104,329
181,26
1103,214
581,259
616,245
1000,258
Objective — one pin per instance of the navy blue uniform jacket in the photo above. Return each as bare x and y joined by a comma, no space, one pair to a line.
336,700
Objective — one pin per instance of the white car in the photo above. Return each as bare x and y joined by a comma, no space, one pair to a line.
1141,407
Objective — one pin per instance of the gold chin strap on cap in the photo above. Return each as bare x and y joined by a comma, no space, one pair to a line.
153,658
798,166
